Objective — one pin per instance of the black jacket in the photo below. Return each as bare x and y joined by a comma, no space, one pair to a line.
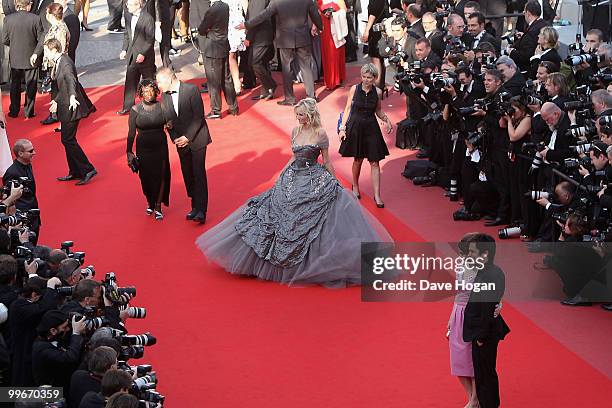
560,101
524,48
66,83
28,200
417,28
478,321
110,312
93,400
486,37
551,56
74,28
81,383
562,142
197,9
467,99
214,27
53,364
190,121
515,84
22,33
263,34
143,41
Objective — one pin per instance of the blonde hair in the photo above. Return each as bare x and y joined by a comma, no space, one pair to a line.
308,107
371,69
551,37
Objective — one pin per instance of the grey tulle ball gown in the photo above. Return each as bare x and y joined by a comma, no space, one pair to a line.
307,229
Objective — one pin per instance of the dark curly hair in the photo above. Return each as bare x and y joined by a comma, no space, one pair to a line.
147,83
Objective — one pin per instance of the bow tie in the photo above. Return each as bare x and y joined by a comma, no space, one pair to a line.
171,92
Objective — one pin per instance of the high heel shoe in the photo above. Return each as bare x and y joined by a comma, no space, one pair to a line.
381,205
159,216
149,211
357,195
85,28
385,93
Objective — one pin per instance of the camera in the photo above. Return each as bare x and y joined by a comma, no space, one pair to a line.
592,58
64,290
127,353
536,195
146,339
576,105
137,312
510,232
378,27
582,131
475,138
581,148
88,272
600,77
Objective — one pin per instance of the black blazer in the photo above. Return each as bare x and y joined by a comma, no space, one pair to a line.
159,10
467,99
478,321
27,201
52,365
515,84
143,41
197,9
436,39
524,48
263,34
417,28
552,56
292,21
65,84
214,27
23,32
486,37
190,121
560,101
74,28
562,142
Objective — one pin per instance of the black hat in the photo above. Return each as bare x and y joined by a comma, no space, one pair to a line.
51,319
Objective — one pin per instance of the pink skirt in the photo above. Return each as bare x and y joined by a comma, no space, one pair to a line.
460,351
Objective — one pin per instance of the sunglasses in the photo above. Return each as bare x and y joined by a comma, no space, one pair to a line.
30,151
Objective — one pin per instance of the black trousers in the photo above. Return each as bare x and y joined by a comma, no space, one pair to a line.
31,77
259,59
351,43
487,385
78,163
115,11
303,55
133,74
218,77
193,167
166,43
501,179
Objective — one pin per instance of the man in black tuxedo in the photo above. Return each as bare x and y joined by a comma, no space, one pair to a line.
514,81
115,11
433,34
261,49
413,16
183,106
138,41
524,48
476,27
481,326
22,167
557,142
160,11
214,26
456,30
471,89
22,32
293,39
70,105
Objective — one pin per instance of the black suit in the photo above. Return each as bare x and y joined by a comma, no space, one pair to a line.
214,26
93,400
160,11
261,50
524,47
484,36
417,28
74,28
28,200
551,55
141,42
82,382
292,38
22,32
190,123
53,365
465,99
115,11
561,149
515,84
65,84
436,39
480,325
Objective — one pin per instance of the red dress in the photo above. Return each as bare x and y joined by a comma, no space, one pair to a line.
334,68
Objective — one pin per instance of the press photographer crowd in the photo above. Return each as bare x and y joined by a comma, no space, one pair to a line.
59,326
516,134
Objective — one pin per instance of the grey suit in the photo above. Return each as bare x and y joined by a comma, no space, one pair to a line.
292,38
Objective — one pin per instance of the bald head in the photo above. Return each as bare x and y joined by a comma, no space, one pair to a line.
551,114
166,79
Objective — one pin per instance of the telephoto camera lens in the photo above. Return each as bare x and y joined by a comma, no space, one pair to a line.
146,339
88,272
143,381
510,232
137,312
64,290
96,322
127,291
581,149
131,352
141,385
536,195
143,369
454,194
154,397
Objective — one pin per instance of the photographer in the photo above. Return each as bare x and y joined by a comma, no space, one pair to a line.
433,34
69,272
514,81
594,38
544,69
456,37
400,46
564,199
525,44
413,16
557,148
601,171
89,294
114,381
22,172
36,298
101,360
57,351
476,27
556,88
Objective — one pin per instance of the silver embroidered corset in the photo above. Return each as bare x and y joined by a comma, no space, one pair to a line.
305,156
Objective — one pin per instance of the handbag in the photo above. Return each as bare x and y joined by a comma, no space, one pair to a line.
342,113
134,164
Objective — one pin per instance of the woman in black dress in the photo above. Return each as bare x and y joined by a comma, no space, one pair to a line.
360,133
378,10
147,120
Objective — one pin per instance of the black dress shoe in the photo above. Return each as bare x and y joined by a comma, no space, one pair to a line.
234,112
285,102
607,307
191,215
576,301
66,178
123,112
57,130
494,223
213,115
260,97
13,115
87,178
489,217
49,120
200,217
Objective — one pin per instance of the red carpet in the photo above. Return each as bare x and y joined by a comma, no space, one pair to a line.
234,342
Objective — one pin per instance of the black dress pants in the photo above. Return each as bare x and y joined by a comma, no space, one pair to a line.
303,55
501,179
218,77
115,11
487,385
78,163
194,175
133,74
166,43
31,77
259,58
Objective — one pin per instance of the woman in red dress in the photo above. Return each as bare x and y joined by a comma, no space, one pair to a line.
334,68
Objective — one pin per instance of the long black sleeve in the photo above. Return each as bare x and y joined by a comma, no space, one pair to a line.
131,130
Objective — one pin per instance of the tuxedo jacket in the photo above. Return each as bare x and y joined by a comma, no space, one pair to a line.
436,39
466,99
562,142
22,33
263,34
418,29
143,40
486,37
190,121
478,321
66,83
74,28
551,56
515,84
524,48
292,21
214,27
